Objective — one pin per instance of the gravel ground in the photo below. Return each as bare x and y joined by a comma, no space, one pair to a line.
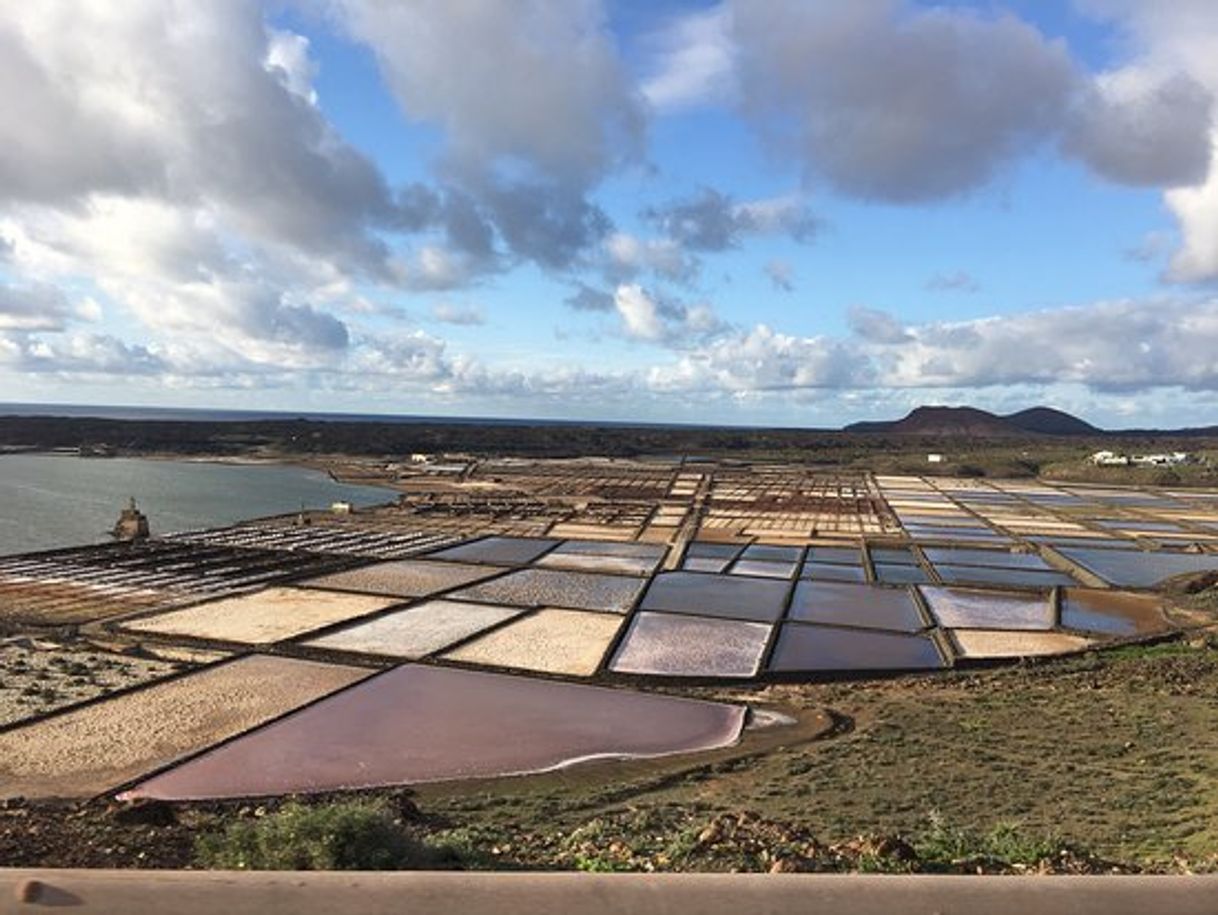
38,676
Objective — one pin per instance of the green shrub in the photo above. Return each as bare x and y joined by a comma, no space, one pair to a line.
943,845
345,835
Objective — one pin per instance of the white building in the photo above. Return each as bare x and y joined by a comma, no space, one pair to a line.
1109,459
1112,459
1163,460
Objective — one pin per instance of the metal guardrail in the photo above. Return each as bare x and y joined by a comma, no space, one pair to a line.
134,892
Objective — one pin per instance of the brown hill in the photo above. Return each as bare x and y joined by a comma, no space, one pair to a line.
948,422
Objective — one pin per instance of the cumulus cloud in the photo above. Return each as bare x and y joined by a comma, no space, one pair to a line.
78,355
1167,39
287,58
763,359
649,318
1118,346
877,326
174,158
897,104
195,114
535,107
713,221
34,307
693,61
628,255
1136,129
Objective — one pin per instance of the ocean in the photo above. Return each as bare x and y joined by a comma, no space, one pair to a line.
52,500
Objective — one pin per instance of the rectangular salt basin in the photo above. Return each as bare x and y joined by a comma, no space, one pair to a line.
416,724
505,551
664,645
963,608
418,631
893,556
403,578
1016,578
803,648
265,616
704,564
549,588
1136,569
592,562
1117,613
823,571
867,606
552,640
627,549
763,568
998,559
988,643
835,554
900,574
98,747
707,550
767,553
717,595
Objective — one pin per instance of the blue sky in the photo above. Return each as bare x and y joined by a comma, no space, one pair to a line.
751,211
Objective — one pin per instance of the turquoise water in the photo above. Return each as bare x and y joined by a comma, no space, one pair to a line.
50,500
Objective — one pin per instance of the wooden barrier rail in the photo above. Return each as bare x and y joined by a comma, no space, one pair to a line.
135,892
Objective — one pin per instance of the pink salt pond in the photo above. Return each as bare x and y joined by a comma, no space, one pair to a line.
417,724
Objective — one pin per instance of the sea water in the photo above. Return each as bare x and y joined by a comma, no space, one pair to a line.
52,500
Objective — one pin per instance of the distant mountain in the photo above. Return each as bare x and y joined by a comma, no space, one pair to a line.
970,422
1049,421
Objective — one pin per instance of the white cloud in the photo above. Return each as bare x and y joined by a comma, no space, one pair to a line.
1118,346
1139,128
639,313
897,103
714,221
875,326
461,315
531,98
1172,47
694,62
34,307
763,359
629,255
78,355
648,318
287,57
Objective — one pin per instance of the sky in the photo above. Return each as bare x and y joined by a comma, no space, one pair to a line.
759,212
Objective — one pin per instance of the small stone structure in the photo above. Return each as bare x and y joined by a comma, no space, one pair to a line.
132,524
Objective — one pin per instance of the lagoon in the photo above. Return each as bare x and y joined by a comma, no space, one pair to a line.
53,500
